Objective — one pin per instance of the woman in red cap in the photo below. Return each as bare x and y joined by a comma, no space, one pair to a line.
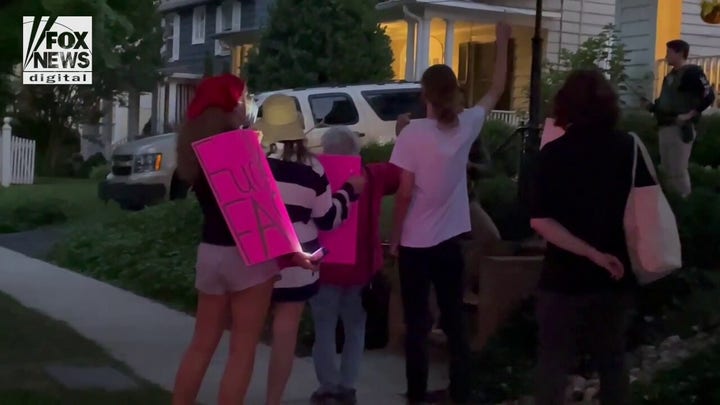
227,288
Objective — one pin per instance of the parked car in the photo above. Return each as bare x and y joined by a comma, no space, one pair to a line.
369,110
143,171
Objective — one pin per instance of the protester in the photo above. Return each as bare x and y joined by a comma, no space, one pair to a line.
432,211
579,195
685,94
227,288
312,206
341,286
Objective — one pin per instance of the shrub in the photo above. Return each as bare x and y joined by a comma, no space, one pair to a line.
32,213
88,165
706,151
151,252
376,152
496,134
644,125
698,219
695,381
705,177
498,197
99,173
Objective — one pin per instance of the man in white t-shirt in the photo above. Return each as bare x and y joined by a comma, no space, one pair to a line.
432,211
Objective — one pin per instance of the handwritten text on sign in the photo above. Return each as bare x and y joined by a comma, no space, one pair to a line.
341,242
248,196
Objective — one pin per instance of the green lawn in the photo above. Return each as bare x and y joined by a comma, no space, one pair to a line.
31,341
52,202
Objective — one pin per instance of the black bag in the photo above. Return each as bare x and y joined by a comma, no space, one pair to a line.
376,301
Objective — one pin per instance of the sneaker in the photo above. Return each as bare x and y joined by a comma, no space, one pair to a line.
322,397
346,396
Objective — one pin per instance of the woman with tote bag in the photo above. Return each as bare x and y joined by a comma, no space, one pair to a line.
594,185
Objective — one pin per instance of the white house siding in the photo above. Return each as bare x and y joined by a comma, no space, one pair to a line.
636,21
581,19
704,38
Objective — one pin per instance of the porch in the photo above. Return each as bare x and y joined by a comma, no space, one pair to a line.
461,34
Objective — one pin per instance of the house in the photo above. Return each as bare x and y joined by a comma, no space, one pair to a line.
193,48
647,25
216,35
420,31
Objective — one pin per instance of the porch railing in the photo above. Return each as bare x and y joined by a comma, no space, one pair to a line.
512,118
709,64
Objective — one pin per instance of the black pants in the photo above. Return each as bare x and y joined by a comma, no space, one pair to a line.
603,318
441,265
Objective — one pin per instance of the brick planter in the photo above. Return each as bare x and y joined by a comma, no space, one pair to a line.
504,281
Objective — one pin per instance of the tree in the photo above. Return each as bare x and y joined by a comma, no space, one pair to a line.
309,42
126,57
605,52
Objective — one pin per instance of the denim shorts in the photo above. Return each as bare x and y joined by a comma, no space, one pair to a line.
221,270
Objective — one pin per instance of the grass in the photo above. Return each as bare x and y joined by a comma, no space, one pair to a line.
30,341
71,202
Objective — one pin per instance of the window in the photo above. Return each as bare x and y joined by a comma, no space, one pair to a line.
227,18
226,9
172,37
220,48
163,26
231,11
388,104
198,30
333,109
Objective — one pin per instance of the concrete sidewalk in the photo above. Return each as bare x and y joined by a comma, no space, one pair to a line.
150,338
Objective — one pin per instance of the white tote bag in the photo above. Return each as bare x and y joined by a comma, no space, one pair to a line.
651,230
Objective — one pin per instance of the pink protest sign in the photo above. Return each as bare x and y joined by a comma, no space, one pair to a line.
550,132
248,196
341,243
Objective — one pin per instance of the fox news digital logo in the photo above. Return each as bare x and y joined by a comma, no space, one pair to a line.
57,50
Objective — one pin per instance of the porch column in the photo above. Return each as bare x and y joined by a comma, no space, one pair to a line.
172,104
133,116
423,48
449,42
410,52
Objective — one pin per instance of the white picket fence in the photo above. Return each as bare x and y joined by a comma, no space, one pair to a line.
17,158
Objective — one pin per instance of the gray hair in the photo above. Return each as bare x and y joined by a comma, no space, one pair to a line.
340,140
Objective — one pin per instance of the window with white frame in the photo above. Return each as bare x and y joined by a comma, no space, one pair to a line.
198,30
227,18
175,38
163,28
171,37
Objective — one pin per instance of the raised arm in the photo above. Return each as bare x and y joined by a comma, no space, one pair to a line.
499,79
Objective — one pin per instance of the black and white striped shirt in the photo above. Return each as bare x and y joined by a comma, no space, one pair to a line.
311,205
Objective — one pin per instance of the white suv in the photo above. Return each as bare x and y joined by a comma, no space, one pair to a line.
369,109
143,171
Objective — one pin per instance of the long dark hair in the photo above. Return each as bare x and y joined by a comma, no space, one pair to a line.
587,99
441,90
211,122
293,151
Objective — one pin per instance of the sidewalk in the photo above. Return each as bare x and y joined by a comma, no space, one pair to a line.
150,338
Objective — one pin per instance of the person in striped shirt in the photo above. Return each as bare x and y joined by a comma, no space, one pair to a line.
312,206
